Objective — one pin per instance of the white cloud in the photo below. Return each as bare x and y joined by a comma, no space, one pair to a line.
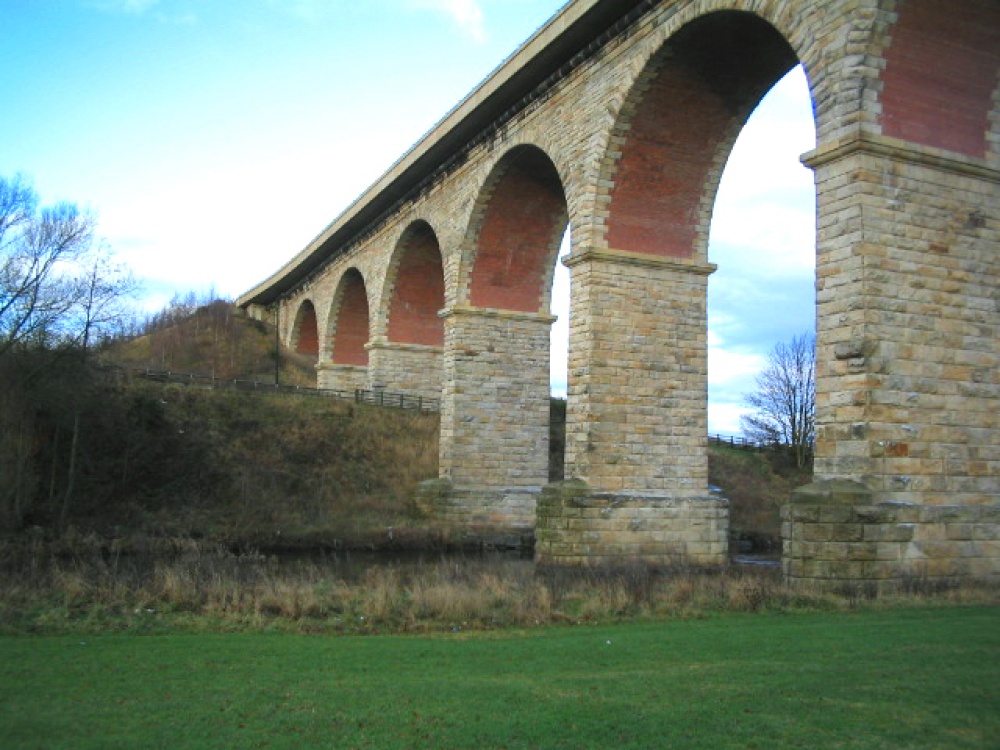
765,212
780,245
124,6
558,364
152,8
467,14
727,365
222,225
724,418
731,373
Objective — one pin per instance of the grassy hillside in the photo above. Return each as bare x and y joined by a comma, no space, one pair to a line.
118,458
273,470
281,471
214,339
135,460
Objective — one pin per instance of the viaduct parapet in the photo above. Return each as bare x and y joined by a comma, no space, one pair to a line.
616,119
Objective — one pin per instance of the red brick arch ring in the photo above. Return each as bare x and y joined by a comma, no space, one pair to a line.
305,330
414,289
515,232
349,313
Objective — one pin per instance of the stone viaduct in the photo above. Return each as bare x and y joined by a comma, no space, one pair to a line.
616,119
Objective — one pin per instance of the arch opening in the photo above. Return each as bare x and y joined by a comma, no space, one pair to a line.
559,362
678,126
762,238
351,331
417,290
639,422
681,194
305,331
763,293
523,222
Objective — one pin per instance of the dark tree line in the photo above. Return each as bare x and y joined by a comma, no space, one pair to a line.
61,296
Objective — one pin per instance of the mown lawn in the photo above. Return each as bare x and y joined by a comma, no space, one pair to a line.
906,678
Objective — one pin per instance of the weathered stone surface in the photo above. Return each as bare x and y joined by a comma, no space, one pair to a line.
833,492
624,134
895,546
617,529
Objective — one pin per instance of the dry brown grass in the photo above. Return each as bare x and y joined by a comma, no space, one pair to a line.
209,587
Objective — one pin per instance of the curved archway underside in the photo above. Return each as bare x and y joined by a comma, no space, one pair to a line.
352,316
679,125
418,292
305,334
523,223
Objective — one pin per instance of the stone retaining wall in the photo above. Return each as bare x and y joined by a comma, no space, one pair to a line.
341,377
414,369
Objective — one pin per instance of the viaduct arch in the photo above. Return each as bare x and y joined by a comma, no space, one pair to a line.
616,119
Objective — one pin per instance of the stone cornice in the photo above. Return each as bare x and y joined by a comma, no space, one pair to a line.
626,258
490,312
866,142
339,367
399,346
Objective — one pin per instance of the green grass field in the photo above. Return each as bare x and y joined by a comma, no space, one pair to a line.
924,677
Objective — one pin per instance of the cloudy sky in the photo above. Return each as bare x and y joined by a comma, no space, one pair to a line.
215,138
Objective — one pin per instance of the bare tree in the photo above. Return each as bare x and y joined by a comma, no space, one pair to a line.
39,275
102,297
60,293
785,400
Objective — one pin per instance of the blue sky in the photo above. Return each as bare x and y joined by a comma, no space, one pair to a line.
215,138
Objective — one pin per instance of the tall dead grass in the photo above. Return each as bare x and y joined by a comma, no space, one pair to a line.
213,588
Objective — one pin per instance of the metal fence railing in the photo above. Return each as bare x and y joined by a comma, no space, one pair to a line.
382,397
377,397
741,443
